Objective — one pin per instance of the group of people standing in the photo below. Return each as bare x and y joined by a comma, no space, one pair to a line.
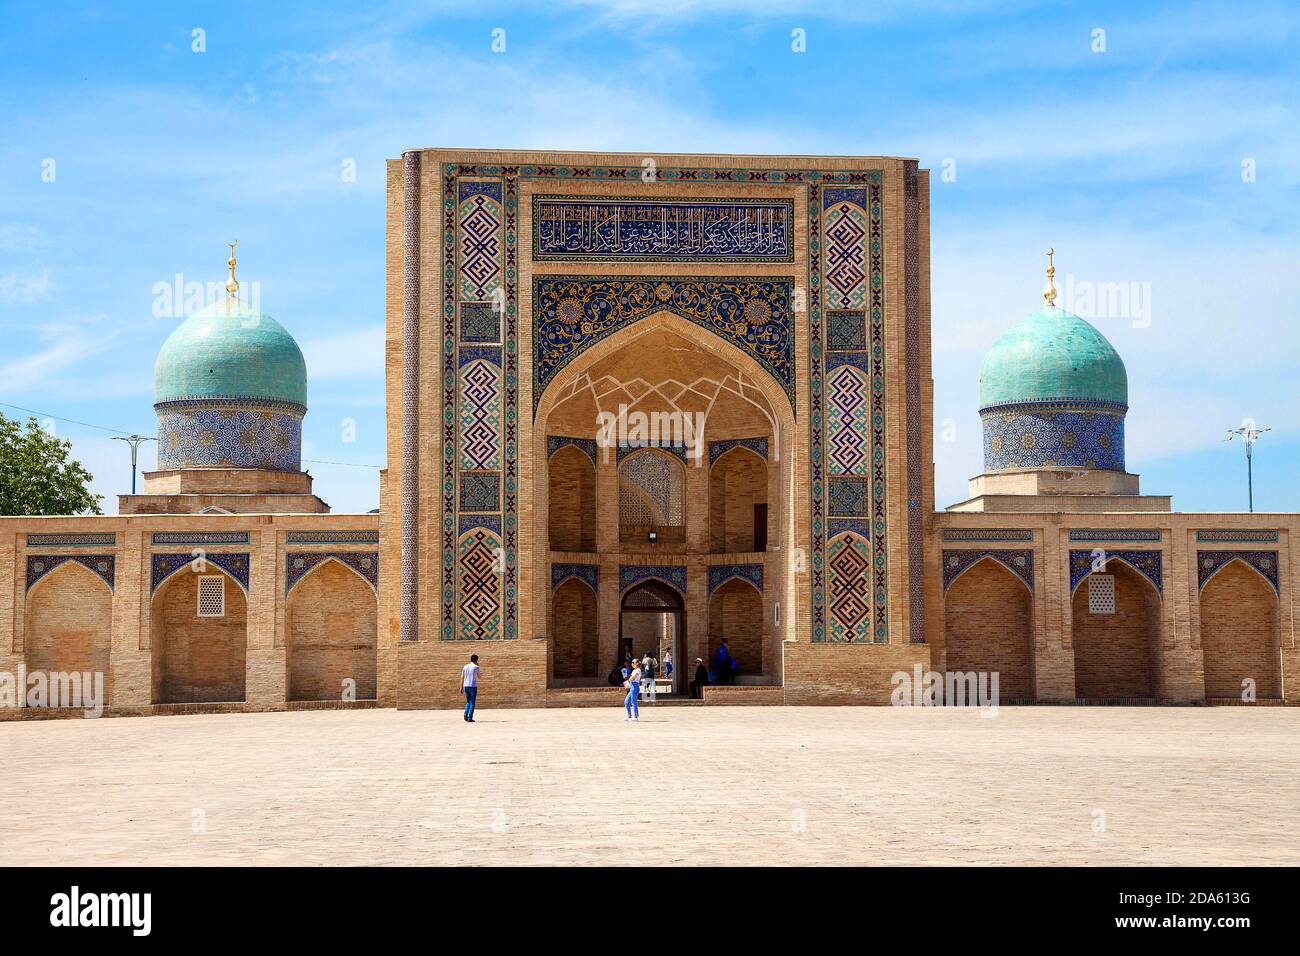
638,678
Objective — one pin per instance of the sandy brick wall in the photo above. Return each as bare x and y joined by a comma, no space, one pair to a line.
988,626
847,673
1239,634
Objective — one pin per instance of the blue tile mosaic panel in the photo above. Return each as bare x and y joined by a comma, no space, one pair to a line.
104,565
1209,563
599,228
229,438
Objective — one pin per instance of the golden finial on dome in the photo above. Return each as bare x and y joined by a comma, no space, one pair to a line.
1049,293
232,284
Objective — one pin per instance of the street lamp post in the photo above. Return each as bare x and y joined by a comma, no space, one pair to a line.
1248,433
134,441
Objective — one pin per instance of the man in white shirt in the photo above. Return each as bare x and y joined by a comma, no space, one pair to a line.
469,686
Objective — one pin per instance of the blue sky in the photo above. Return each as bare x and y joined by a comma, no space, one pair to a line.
1135,162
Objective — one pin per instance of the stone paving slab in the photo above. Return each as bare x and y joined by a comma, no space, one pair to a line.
737,785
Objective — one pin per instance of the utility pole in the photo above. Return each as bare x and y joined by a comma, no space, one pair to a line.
1248,433
134,441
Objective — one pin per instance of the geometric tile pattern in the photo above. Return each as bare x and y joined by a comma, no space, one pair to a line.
480,240
76,540
1146,563
719,448
720,574
479,322
1208,563
846,329
1053,437
608,229
200,537
850,590
480,491
230,437
165,565
573,313
848,497
480,416
298,563
847,410
478,420
561,572
630,574
1019,563
479,587
332,537
848,432
1232,534
846,233
987,534
39,565
1114,534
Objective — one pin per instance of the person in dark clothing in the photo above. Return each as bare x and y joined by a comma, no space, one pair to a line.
723,664
701,679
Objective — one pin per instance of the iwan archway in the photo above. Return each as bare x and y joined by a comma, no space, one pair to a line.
691,442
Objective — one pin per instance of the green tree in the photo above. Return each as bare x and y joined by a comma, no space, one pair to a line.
36,475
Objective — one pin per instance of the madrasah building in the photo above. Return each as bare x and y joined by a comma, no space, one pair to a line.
769,317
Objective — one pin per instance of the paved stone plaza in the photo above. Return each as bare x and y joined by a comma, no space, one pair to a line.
706,785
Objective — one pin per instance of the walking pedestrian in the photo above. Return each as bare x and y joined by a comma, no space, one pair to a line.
668,669
469,686
633,686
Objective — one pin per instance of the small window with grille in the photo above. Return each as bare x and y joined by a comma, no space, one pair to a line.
212,596
1101,594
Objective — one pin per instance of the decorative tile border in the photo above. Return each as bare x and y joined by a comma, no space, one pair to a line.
235,564
1115,534
858,526
585,445
89,539
297,564
625,448
670,229
630,574
561,572
39,565
332,537
720,574
987,534
1018,562
719,448
200,537
469,522
1149,564
1236,534
1209,563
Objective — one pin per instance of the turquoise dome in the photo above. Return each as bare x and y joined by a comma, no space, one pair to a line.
230,350
1053,356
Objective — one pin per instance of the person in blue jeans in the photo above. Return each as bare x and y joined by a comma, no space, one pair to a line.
469,685
633,686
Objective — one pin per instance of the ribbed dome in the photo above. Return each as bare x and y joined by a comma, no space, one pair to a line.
1052,356
230,350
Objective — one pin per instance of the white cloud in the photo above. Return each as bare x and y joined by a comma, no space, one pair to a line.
18,288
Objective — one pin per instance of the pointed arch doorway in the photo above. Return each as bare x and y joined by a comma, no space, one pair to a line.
651,617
